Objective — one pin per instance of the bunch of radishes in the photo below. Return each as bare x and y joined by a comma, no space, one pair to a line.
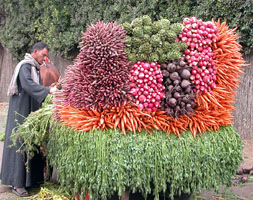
146,85
199,35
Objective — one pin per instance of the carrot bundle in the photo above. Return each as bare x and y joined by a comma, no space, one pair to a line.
126,117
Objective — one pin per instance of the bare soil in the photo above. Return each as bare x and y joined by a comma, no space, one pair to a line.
238,191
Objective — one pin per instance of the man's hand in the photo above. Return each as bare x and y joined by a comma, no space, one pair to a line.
53,90
53,84
57,84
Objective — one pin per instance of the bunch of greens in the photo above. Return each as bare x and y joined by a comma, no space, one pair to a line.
108,163
50,191
33,133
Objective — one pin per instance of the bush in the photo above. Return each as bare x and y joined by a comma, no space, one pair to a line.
59,23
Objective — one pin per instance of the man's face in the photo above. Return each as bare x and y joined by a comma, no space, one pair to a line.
40,55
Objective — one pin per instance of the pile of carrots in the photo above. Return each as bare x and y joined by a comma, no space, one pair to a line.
213,109
126,117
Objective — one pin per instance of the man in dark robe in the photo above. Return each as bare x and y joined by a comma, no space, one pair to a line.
26,95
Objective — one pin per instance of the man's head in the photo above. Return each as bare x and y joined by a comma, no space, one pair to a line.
40,52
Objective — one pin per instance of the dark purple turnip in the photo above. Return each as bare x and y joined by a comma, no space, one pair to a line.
183,111
179,94
246,170
186,98
239,171
178,88
185,83
176,82
174,76
179,68
188,107
165,73
171,67
168,82
172,102
169,111
188,89
170,88
182,63
163,66
182,104
185,74
244,179
168,96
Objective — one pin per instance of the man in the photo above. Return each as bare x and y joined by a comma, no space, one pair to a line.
26,95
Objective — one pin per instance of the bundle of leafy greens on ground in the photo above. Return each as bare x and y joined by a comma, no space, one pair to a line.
33,133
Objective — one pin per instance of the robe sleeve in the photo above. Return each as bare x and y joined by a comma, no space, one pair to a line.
36,91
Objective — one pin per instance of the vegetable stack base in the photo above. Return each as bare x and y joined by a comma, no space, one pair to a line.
106,163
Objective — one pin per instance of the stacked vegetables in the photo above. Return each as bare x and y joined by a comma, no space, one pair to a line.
199,36
167,87
146,85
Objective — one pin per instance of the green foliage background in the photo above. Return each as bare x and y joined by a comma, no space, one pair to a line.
60,22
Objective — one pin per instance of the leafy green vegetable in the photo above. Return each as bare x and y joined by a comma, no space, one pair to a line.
148,38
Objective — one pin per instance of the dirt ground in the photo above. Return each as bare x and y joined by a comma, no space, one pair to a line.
239,190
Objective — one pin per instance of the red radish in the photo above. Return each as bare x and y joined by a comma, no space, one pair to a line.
140,106
149,110
146,87
142,98
145,104
199,35
141,75
145,93
150,105
154,109
146,66
133,91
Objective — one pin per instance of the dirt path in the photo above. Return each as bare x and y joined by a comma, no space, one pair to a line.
238,191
